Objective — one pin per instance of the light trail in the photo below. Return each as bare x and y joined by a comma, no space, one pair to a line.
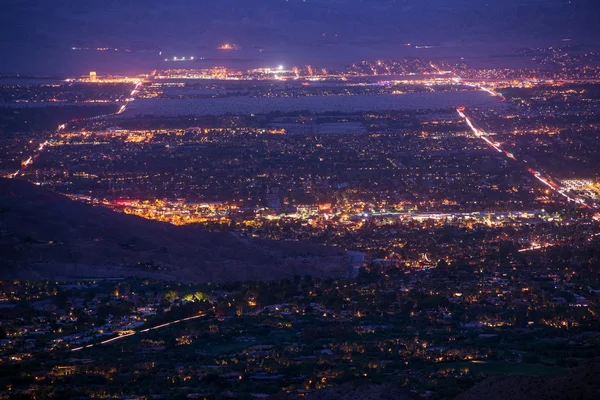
26,163
547,181
535,246
121,337
538,247
173,322
475,130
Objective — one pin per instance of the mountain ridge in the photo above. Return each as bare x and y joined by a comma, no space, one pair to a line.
45,235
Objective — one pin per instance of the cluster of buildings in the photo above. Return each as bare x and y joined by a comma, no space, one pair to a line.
460,262
426,327
391,185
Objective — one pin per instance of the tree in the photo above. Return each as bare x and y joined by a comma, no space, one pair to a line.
171,296
196,297
199,296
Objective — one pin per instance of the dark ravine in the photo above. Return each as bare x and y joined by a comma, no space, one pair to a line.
45,235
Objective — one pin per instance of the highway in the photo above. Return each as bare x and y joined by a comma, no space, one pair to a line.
545,179
117,338
444,215
540,246
30,160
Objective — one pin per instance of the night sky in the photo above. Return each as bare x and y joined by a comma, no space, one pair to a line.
37,35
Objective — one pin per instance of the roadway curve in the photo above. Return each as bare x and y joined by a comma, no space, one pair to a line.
545,179
29,161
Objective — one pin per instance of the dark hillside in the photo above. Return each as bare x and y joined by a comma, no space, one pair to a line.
44,235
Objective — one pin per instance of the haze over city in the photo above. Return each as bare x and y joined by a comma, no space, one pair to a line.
39,35
284,199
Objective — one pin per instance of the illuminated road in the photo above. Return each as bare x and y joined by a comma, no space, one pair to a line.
545,179
536,246
444,215
117,338
27,162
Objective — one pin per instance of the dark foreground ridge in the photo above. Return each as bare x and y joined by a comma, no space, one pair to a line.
579,384
354,391
45,235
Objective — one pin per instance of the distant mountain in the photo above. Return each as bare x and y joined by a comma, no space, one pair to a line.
152,23
39,34
44,235
580,384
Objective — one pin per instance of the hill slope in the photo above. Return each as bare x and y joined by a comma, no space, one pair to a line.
579,384
353,391
44,235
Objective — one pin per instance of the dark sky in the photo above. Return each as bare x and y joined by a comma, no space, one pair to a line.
36,33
